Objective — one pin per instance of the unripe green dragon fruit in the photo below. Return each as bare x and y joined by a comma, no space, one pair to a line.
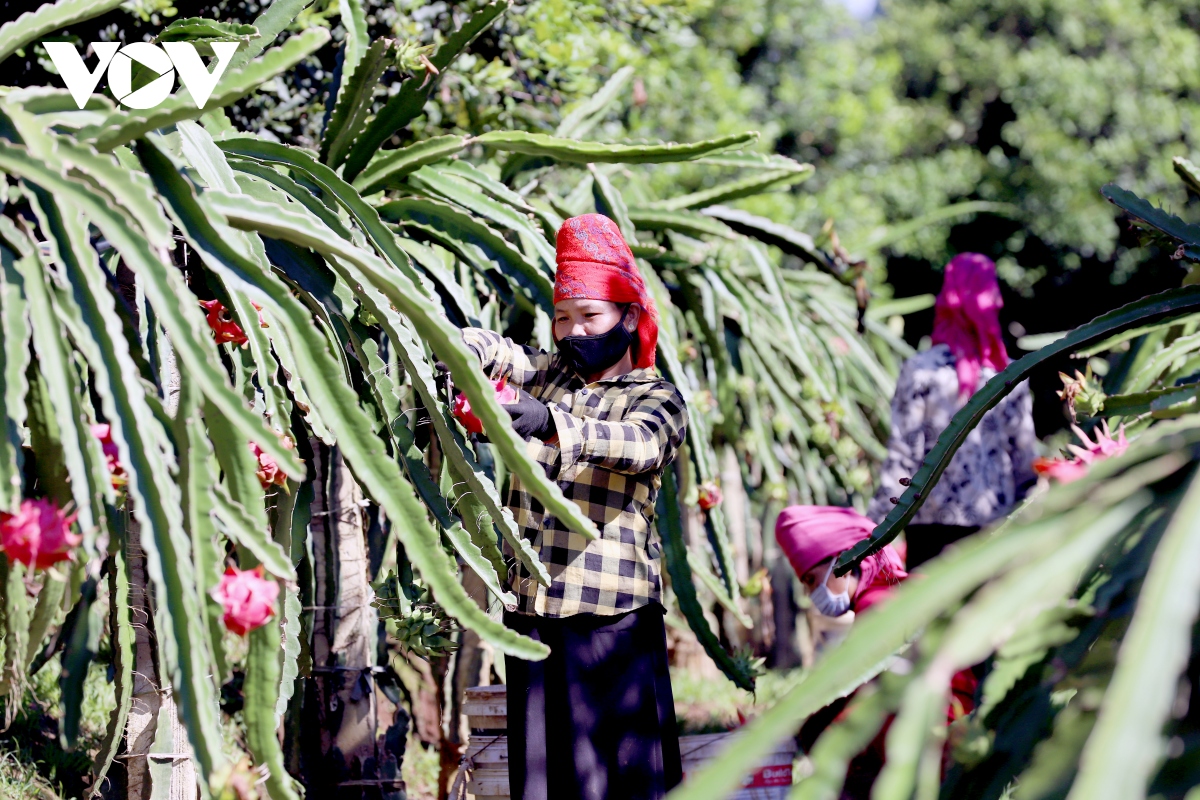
418,623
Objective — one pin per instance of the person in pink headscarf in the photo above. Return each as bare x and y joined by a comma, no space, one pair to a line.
993,469
813,536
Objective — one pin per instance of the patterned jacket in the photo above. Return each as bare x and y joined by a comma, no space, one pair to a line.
989,474
615,438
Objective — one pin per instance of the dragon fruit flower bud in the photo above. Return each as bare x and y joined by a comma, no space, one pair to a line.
505,395
1082,393
39,534
247,597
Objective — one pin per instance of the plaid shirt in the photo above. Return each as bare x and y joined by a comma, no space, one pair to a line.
615,438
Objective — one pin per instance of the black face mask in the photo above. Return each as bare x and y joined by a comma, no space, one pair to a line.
589,355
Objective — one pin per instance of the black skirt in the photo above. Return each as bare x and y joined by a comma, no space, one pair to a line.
596,719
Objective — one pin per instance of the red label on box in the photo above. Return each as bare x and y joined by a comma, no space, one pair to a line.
780,775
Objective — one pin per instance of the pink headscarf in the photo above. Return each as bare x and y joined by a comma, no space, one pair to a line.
967,318
810,534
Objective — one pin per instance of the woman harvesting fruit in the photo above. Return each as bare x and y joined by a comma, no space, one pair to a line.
596,719
993,469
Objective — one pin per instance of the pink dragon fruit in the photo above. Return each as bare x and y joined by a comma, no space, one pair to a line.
505,395
268,472
248,598
39,534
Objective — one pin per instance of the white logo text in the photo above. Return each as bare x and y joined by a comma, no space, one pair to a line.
162,60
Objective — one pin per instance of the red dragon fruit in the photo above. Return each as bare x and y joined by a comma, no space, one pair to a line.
710,495
224,328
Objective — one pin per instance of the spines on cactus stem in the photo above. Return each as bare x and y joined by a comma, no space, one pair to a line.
45,614
354,96
14,603
81,631
198,471
1168,223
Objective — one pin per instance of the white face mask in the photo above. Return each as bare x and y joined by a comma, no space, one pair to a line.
828,603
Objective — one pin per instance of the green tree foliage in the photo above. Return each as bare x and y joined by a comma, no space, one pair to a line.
930,104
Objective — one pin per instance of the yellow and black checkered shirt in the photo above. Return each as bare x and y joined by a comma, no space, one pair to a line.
615,438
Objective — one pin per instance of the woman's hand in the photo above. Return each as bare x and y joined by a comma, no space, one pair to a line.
530,417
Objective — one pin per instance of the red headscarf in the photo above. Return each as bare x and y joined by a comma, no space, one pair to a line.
810,534
595,263
967,318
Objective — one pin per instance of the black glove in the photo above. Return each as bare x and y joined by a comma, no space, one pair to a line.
530,417
442,382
